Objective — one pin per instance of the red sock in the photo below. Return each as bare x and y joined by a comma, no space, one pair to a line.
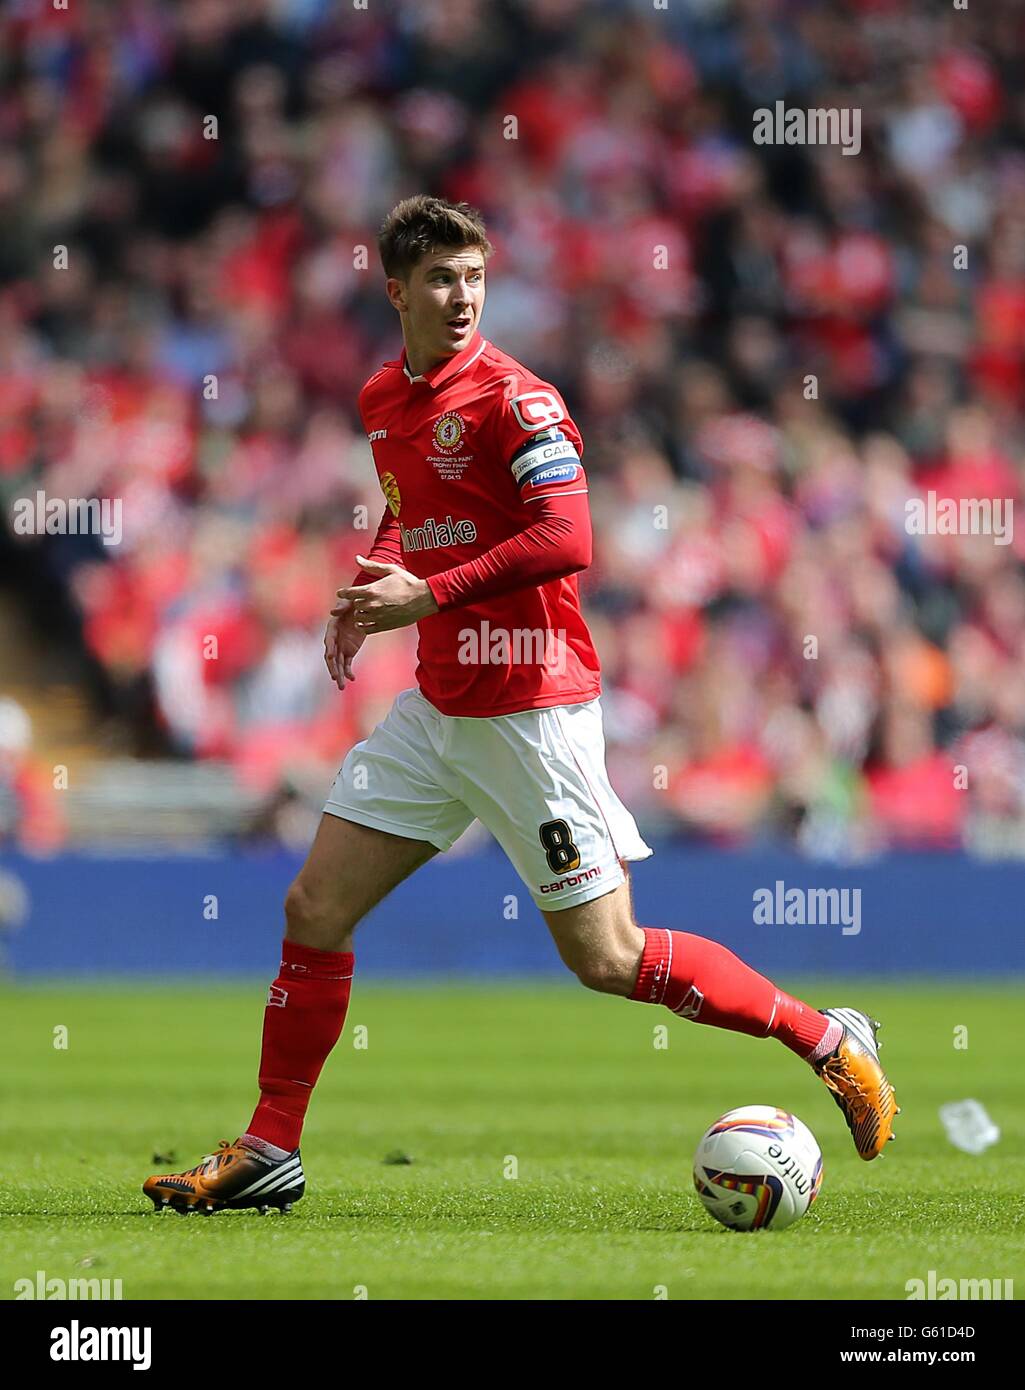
303,1020
699,979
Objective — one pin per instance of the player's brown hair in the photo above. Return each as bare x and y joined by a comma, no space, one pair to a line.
417,226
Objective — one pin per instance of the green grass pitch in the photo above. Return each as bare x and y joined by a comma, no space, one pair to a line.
474,1083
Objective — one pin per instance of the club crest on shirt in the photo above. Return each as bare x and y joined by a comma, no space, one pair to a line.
448,431
449,435
390,488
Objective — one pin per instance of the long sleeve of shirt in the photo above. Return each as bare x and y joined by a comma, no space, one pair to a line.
386,547
557,542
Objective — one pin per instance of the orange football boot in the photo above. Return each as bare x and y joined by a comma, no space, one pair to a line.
235,1177
859,1085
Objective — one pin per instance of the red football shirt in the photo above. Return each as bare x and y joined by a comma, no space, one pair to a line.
479,453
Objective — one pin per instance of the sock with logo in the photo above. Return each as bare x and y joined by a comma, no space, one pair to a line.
303,1020
260,1146
699,979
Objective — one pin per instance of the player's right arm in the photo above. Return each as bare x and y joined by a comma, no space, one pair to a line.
342,639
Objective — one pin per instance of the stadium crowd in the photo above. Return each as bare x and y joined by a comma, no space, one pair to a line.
768,350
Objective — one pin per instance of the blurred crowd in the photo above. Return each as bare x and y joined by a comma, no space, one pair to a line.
768,350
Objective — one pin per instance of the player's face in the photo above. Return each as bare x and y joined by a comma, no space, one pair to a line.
441,304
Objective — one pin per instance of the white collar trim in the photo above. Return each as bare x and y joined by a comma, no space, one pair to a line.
468,363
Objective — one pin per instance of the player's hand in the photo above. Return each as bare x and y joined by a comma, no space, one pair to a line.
342,640
397,599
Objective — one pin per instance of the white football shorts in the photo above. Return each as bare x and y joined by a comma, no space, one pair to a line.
535,779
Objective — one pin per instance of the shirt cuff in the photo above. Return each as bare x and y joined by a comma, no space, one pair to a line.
438,587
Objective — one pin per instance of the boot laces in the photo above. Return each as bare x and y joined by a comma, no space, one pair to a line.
853,1091
222,1155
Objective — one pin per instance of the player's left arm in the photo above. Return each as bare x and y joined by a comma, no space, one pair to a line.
555,544
533,431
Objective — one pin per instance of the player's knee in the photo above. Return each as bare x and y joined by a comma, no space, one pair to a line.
301,913
312,921
606,973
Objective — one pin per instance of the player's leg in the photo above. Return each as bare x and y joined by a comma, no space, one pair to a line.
350,868
694,977
599,941
388,812
562,825
701,980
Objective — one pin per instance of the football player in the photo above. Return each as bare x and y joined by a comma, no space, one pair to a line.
485,529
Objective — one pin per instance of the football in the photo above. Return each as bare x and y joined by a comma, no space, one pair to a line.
758,1168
